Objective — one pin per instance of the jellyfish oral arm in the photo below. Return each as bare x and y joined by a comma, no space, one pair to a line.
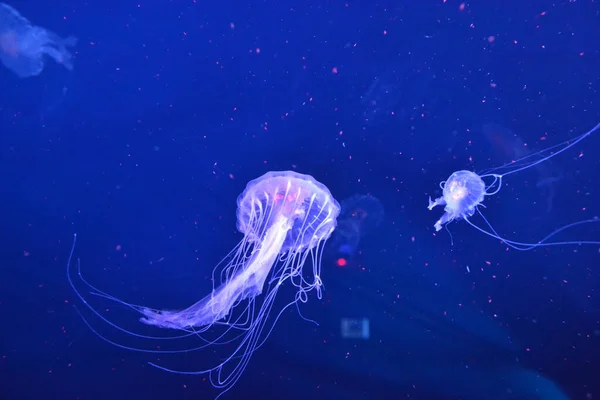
58,56
252,279
437,202
446,218
247,283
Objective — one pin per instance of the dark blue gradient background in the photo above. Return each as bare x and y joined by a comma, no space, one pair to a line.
172,106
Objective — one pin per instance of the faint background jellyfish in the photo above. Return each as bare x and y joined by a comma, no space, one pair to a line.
360,215
465,191
379,99
511,146
400,90
23,46
285,217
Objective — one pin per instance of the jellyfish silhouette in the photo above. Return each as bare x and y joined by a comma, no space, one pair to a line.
359,216
513,147
285,217
465,191
23,46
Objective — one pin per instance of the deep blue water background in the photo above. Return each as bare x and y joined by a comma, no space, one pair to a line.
173,106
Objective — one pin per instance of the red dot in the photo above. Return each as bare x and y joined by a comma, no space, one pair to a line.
341,262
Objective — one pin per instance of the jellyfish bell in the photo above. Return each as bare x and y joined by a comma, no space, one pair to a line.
285,217
465,191
298,203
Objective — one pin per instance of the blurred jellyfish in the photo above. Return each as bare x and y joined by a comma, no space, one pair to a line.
285,217
398,91
464,192
512,147
380,99
23,46
360,215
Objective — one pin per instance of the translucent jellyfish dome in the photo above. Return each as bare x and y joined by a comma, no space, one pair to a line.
463,191
297,203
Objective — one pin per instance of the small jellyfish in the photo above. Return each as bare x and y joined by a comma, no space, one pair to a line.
285,217
464,192
24,46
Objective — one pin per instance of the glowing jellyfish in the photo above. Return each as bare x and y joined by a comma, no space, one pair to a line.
23,46
464,192
285,217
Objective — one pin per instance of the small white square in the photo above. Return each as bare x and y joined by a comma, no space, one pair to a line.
355,328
